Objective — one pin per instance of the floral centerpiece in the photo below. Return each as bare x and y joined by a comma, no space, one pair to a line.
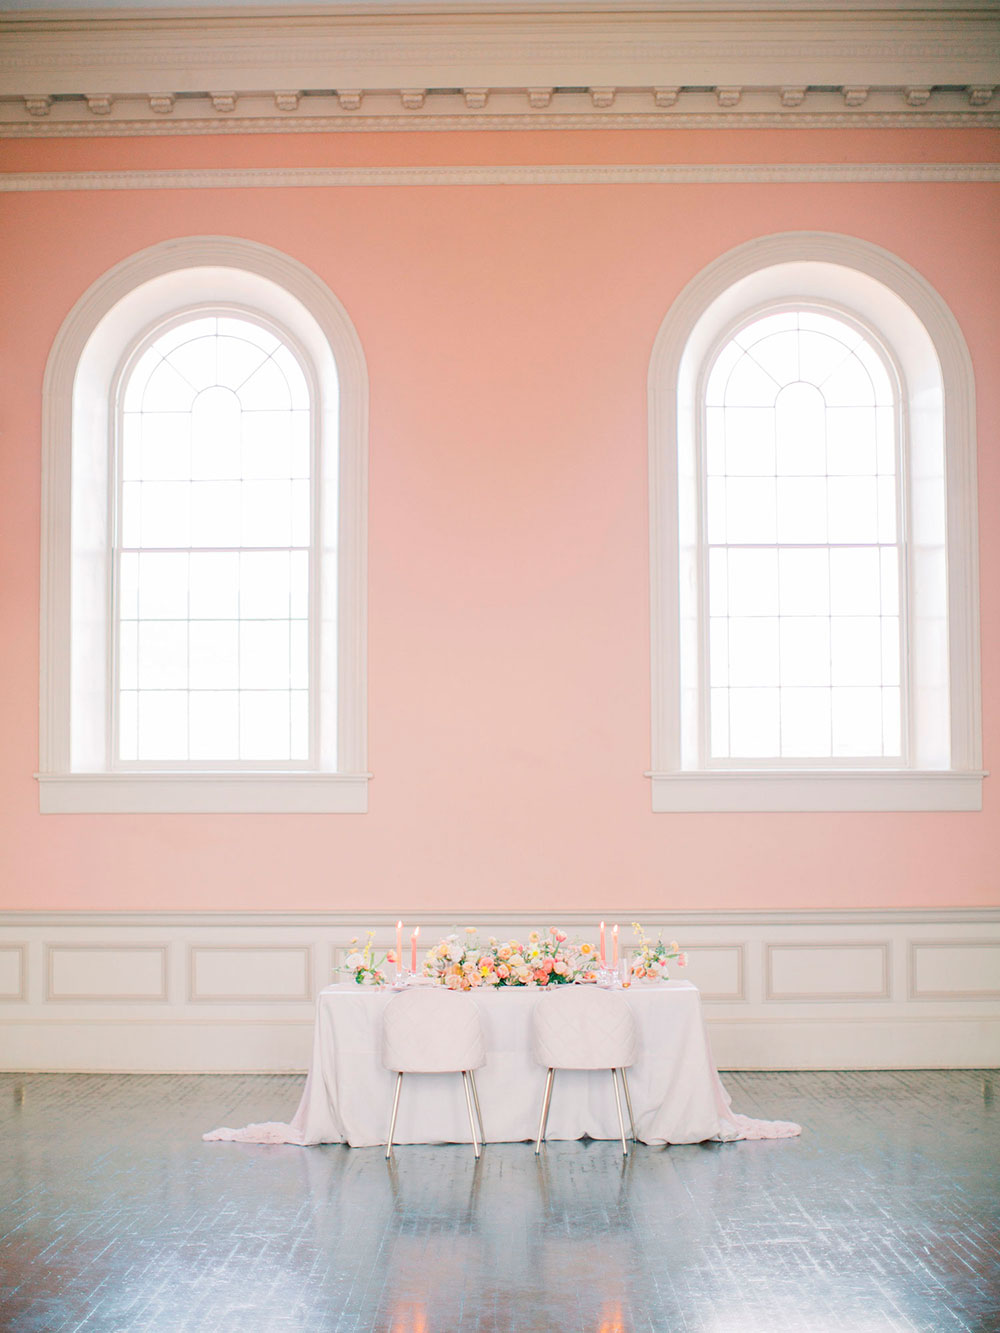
649,961
461,961
362,962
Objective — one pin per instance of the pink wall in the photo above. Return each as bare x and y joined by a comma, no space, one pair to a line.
508,333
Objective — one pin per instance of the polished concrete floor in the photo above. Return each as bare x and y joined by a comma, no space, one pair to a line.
882,1217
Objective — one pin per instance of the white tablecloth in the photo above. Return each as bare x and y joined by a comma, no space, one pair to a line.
676,1092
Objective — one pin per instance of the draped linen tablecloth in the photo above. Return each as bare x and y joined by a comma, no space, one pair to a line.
676,1092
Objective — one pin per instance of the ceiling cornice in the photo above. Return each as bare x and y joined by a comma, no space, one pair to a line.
114,72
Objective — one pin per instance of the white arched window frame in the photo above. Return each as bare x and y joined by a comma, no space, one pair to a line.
941,767
77,768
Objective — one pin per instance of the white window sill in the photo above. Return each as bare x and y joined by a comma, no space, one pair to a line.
202,793
841,790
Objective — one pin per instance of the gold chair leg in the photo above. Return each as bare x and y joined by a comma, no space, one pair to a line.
543,1119
472,1122
628,1103
392,1122
618,1103
479,1113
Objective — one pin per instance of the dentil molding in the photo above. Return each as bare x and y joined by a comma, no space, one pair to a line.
499,66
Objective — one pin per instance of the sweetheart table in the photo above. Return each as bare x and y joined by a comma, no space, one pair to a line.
676,1092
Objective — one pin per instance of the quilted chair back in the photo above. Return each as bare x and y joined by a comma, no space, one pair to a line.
432,1032
580,1027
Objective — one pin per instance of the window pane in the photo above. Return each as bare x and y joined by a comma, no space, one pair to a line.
753,651
853,509
166,513
163,724
805,723
720,724
805,650
855,582
857,722
802,509
214,644
750,509
165,446
163,586
750,385
753,582
215,655
802,563
856,650
749,442
214,725
264,724
753,724
215,585
264,654
778,354
804,582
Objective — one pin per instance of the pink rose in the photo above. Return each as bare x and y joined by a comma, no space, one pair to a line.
560,967
547,965
542,978
682,960
503,970
560,936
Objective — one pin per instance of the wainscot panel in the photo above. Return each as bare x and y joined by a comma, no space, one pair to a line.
234,991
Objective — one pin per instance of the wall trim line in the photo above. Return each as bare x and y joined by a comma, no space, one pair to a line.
735,173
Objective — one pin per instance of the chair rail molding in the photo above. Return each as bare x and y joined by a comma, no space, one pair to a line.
233,991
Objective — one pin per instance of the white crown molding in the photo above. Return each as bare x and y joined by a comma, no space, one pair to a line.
445,66
666,174
292,111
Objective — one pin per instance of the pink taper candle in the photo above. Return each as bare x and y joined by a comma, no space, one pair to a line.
399,946
602,944
413,949
614,946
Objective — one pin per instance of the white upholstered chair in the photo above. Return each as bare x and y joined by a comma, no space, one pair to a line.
434,1032
581,1027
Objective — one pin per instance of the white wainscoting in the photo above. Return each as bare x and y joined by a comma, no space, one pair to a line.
234,991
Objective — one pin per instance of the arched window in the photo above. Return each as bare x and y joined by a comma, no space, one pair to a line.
815,643
203,562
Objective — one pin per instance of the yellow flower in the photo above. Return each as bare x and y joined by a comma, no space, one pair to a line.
586,948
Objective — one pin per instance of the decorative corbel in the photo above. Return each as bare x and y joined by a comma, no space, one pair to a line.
981,94
476,98
665,97
539,98
855,94
602,98
349,99
99,104
792,97
38,106
729,96
224,102
917,96
161,103
413,98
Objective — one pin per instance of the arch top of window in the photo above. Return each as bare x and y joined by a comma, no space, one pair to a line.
912,334
102,338
768,323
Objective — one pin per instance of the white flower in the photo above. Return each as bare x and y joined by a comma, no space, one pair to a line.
354,960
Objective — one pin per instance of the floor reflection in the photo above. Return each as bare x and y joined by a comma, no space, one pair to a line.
882,1218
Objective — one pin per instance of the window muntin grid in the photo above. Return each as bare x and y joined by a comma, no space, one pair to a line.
213,569
803,570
